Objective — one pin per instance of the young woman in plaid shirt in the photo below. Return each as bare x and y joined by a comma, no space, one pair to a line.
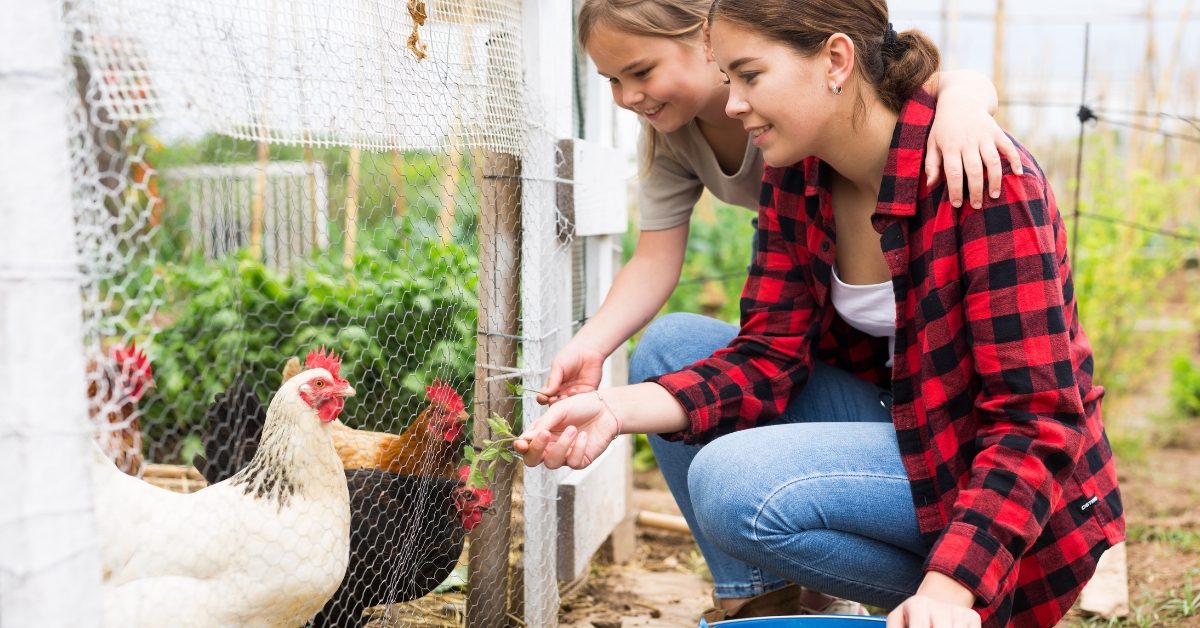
953,467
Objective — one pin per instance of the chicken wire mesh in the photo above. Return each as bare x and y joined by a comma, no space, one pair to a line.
252,181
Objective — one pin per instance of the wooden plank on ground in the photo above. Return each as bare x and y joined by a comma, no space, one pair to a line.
1107,594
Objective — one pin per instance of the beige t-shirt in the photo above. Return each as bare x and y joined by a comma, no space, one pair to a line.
684,164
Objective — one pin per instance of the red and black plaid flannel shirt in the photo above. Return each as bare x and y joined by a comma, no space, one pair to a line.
995,410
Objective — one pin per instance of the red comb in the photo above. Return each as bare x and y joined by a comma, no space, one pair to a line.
132,358
135,366
442,394
323,359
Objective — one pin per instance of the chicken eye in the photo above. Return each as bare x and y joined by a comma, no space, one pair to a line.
320,383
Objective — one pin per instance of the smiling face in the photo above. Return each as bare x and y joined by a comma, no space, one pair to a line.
782,98
666,81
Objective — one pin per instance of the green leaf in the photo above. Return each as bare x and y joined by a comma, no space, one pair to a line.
456,581
477,479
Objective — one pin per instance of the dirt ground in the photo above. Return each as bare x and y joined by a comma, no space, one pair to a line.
668,585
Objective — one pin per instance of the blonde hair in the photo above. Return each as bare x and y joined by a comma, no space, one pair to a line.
672,19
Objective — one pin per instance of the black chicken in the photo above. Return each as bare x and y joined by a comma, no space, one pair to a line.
406,533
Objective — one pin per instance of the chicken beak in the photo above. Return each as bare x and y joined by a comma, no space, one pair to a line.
347,391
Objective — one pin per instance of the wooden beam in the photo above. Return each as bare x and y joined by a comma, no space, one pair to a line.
1107,594
351,218
499,281
592,502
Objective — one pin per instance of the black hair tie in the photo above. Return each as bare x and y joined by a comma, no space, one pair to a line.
891,42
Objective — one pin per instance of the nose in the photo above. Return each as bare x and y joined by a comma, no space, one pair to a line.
631,97
736,106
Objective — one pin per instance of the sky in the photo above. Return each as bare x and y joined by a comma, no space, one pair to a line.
1044,51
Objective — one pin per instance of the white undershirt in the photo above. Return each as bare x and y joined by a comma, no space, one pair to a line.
870,309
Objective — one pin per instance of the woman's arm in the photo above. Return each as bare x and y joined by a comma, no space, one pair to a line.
576,430
965,138
637,294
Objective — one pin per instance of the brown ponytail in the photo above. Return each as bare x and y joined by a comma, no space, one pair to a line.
895,66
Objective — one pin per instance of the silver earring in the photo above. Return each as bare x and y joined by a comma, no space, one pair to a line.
836,89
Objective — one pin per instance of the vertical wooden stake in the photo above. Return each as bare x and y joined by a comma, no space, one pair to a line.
399,201
311,188
351,224
451,185
499,282
258,199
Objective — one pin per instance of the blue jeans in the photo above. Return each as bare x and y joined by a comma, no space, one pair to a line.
818,496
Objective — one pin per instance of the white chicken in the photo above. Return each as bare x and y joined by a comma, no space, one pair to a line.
265,548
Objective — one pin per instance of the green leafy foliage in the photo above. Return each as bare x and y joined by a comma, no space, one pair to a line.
1185,386
481,463
401,316
1127,278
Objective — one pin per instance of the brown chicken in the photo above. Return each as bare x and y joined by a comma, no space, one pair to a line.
115,386
426,447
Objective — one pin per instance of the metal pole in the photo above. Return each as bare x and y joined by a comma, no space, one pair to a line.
1084,116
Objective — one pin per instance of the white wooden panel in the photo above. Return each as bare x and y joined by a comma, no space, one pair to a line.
599,195
591,502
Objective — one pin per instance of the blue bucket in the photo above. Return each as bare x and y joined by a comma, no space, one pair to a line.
804,621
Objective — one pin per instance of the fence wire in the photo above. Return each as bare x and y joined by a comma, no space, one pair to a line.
258,186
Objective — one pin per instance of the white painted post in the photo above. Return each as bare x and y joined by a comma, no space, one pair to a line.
546,287
49,567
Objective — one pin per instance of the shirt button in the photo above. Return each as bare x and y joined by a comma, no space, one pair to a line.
824,246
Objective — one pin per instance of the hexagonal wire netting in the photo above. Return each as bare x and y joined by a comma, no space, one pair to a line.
255,181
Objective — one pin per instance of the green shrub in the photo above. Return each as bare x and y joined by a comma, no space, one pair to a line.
403,315
1185,386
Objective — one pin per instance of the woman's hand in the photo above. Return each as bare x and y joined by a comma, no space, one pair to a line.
940,602
575,370
573,432
966,139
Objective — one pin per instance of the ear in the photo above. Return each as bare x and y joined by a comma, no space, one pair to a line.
708,49
839,50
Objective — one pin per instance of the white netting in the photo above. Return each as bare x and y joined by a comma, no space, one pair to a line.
327,73
251,181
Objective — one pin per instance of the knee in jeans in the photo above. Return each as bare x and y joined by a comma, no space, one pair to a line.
714,485
652,355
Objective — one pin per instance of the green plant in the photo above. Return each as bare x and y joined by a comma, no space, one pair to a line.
481,463
1185,385
1125,277
403,314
